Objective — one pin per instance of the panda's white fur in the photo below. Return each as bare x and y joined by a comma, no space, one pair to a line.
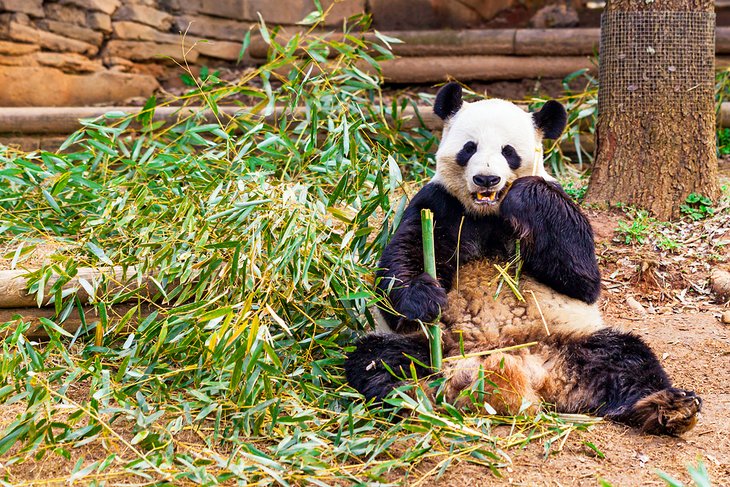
491,124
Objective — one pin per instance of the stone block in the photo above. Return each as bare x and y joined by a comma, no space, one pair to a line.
139,32
224,50
340,10
17,49
33,8
28,86
68,62
176,5
289,12
47,40
434,14
75,32
106,6
145,15
99,21
484,9
281,12
209,27
150,50
65,13
229,9
22,60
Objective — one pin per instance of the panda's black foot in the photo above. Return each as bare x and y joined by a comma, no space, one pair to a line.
670,411
381,362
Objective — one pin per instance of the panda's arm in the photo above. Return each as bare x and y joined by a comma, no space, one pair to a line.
556,238
413,294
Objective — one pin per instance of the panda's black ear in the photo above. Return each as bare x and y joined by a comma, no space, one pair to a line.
551,119
448,101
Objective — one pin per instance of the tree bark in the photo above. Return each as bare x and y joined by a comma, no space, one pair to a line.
656,121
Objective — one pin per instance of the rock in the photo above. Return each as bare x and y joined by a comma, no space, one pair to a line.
229,9
343,9
726,318
29,86
17,49
468,13
292,11
171,5
17,17
212,28
99,21
148,51
30,7
75,31
145,15
47,40
720,283
24,60
389,15
68,62
635,305
144,3
106,6
66,13
555,16
228,51
139,32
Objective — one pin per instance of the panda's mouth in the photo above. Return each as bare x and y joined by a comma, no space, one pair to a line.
488,198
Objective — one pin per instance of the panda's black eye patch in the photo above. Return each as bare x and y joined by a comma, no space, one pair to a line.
513,159
463,156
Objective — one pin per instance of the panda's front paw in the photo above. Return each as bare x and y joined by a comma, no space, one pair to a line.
423,299
526,201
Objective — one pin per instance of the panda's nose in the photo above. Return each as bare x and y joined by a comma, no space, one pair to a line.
486,181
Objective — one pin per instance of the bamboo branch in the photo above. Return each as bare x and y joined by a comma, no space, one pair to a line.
429,265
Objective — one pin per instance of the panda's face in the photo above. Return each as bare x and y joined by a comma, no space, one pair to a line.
488,144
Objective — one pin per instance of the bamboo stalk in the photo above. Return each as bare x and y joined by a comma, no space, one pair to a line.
429,265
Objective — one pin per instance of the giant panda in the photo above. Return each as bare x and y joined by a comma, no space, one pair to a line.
490,191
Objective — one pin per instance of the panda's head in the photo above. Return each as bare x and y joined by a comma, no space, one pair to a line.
488,144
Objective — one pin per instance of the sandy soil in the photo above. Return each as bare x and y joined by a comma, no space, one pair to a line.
696,352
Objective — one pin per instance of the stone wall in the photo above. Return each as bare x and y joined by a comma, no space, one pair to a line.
85,52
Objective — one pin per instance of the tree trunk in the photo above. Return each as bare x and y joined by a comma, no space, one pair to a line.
656,113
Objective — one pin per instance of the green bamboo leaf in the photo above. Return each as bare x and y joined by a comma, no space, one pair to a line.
98,253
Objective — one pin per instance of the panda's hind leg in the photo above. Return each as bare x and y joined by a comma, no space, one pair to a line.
503,380
382,361
670,411
620,378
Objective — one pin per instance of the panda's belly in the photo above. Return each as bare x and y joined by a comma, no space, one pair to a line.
477,318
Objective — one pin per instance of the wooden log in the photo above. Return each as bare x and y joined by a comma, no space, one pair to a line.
73,322
453,42
14,286
523,42
552,42
65,120
483,68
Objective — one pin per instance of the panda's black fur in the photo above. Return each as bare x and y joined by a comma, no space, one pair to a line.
581,367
